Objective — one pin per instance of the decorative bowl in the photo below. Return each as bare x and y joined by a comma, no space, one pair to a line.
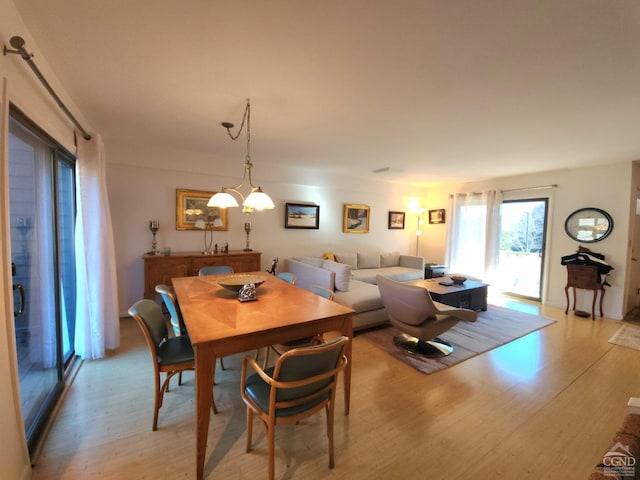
237,281
458,279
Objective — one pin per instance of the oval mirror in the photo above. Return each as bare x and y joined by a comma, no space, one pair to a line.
588,225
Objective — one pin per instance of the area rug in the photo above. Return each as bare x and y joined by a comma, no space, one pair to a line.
627,336
497,326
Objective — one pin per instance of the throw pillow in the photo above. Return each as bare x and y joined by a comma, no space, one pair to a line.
389,259
350,258
343,274
368,260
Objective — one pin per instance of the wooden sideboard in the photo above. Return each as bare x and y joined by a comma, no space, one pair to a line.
162,268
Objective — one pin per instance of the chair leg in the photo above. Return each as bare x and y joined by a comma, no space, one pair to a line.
249,428
271,439
213,398
266,357
222,364
157,403
330,411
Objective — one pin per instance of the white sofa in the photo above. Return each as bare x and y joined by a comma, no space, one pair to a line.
353,279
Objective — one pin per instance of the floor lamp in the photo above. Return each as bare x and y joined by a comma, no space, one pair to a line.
419,228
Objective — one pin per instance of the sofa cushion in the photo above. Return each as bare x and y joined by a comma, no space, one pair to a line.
363,297
350,258
368,260
343,274
315,261
399,274
402,274
389,259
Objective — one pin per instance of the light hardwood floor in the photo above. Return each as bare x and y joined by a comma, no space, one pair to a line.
544,406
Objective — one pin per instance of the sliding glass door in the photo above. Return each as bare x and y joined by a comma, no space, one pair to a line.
42,219
522,247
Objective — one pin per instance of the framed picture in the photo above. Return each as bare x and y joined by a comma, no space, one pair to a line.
191,205
298,215
436,216
355,219
396,220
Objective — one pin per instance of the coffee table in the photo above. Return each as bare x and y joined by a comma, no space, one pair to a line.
471,294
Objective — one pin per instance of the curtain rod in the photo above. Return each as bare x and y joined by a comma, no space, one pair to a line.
18,43
529,188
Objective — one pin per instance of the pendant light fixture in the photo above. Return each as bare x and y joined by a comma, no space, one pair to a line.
257,199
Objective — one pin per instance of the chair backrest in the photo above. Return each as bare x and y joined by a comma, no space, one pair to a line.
323,292
310,370
406,303
215,269
170,301
287,277
151,320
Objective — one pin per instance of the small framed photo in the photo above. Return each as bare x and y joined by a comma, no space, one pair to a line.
297,215
396,220
355,218
436,216
191,206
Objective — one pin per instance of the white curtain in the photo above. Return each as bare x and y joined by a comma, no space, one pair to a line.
473,234
97,322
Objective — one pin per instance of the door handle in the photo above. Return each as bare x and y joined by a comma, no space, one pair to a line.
20,289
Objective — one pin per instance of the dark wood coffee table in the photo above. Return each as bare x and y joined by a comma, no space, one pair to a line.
471,294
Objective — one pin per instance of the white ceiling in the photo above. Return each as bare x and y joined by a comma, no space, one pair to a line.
439,91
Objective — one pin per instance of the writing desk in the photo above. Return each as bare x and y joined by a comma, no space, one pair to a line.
219,325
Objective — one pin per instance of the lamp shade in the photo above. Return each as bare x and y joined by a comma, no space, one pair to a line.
258,200
222,200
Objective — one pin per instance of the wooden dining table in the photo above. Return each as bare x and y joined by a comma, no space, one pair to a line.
219,324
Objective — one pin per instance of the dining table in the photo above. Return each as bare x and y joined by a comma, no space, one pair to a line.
219,324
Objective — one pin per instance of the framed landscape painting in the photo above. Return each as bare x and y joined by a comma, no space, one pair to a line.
436,216
191,206
355,218
298,215
396,220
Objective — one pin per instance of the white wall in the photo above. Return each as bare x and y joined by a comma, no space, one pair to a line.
140,191
607,187
138,194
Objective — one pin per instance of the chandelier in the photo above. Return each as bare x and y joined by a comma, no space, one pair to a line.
257,199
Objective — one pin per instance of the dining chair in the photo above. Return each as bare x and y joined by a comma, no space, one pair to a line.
170,355
322,291
173,307
287,277
300,342
169,298
214,270
302,382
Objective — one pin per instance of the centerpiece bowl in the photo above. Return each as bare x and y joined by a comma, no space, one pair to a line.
237,281
458,279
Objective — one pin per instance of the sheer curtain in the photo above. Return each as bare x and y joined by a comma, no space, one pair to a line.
473,234
97,321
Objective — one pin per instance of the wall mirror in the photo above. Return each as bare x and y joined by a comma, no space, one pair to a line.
589,225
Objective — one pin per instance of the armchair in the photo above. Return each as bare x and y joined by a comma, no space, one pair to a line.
419,318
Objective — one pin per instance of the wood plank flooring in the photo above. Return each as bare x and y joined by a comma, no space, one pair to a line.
544,406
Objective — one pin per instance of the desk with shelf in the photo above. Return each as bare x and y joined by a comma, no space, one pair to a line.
162,268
